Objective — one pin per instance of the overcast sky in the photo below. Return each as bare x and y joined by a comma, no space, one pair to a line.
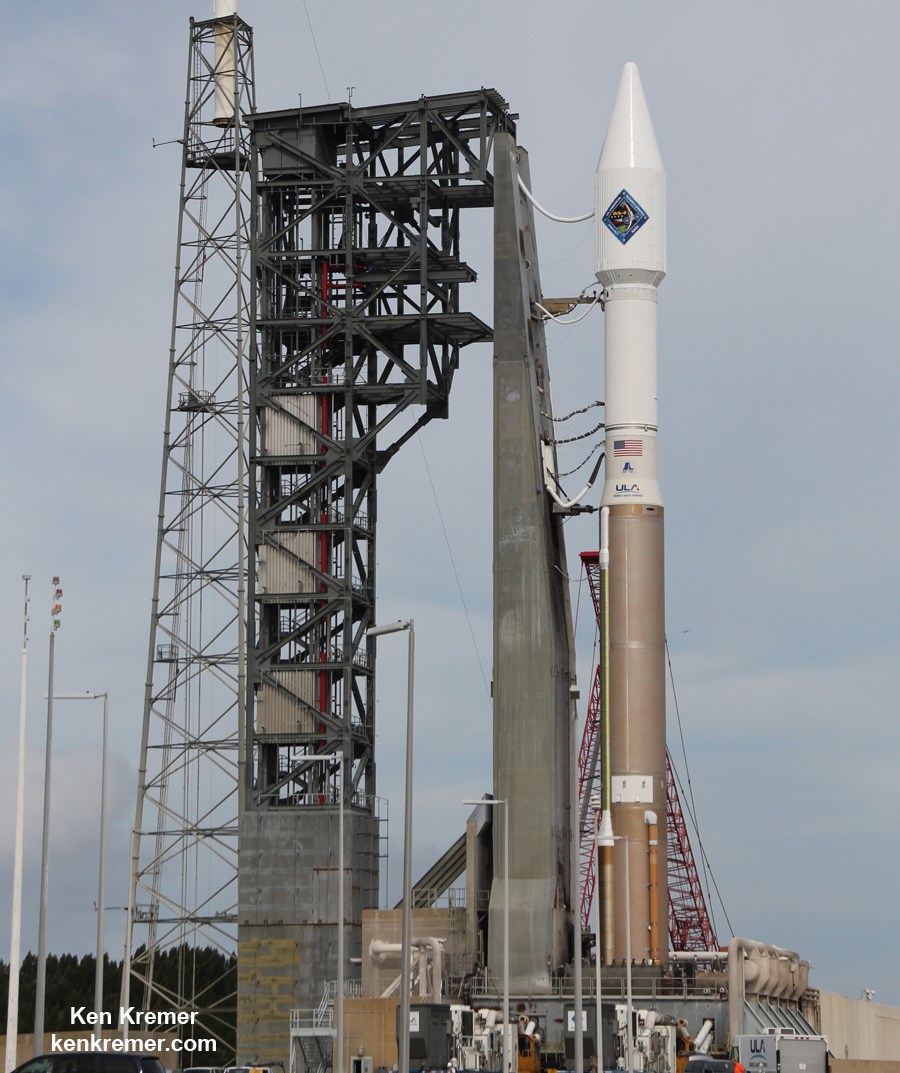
779,381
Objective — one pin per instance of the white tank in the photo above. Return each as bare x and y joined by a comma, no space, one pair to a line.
225,76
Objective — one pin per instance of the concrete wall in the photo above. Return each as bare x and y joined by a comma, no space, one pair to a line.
287,911
858,1029
371,1029
853,1065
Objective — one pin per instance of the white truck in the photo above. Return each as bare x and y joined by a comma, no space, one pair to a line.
781,1052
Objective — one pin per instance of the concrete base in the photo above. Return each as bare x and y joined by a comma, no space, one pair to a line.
287,916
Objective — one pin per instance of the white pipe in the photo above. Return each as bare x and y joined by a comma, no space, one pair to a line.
549,479
704,1037
224,9
383,952
437,967
550,215
603,555
422,957
553,316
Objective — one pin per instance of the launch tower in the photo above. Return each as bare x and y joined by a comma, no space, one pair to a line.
306,350
359,328
183,889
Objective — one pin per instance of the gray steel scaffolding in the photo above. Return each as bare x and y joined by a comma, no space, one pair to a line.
183,889
359,328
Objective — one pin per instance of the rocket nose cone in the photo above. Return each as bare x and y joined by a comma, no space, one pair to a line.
630,140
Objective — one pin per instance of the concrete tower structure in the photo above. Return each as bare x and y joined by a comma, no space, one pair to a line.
533,650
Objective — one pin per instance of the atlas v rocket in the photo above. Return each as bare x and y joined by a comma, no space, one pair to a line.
631,263
534,666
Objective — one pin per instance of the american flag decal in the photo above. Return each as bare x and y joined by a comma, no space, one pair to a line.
628,449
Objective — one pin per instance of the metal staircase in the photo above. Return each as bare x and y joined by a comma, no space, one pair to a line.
312,1035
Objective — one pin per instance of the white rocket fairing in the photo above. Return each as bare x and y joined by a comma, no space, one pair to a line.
631,263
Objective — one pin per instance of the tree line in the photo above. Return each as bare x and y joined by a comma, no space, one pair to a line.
212,978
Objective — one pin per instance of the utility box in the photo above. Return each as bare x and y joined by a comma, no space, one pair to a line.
779,1052
589,1031
363,1064
430,1035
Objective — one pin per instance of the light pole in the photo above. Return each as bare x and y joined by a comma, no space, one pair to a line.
41,970
338,1065
574,847
406,936
101,870
15,934
596,805
493,802
339,998
605,837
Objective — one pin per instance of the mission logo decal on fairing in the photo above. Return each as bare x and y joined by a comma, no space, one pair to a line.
624,217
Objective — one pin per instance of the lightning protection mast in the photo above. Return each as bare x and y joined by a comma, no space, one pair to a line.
183,894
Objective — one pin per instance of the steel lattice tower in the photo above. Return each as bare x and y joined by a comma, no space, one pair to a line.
359,330
183,890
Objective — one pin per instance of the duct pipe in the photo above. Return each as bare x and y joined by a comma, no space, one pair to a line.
737,950
653,883
381,951
437,964
422,958
704,1037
